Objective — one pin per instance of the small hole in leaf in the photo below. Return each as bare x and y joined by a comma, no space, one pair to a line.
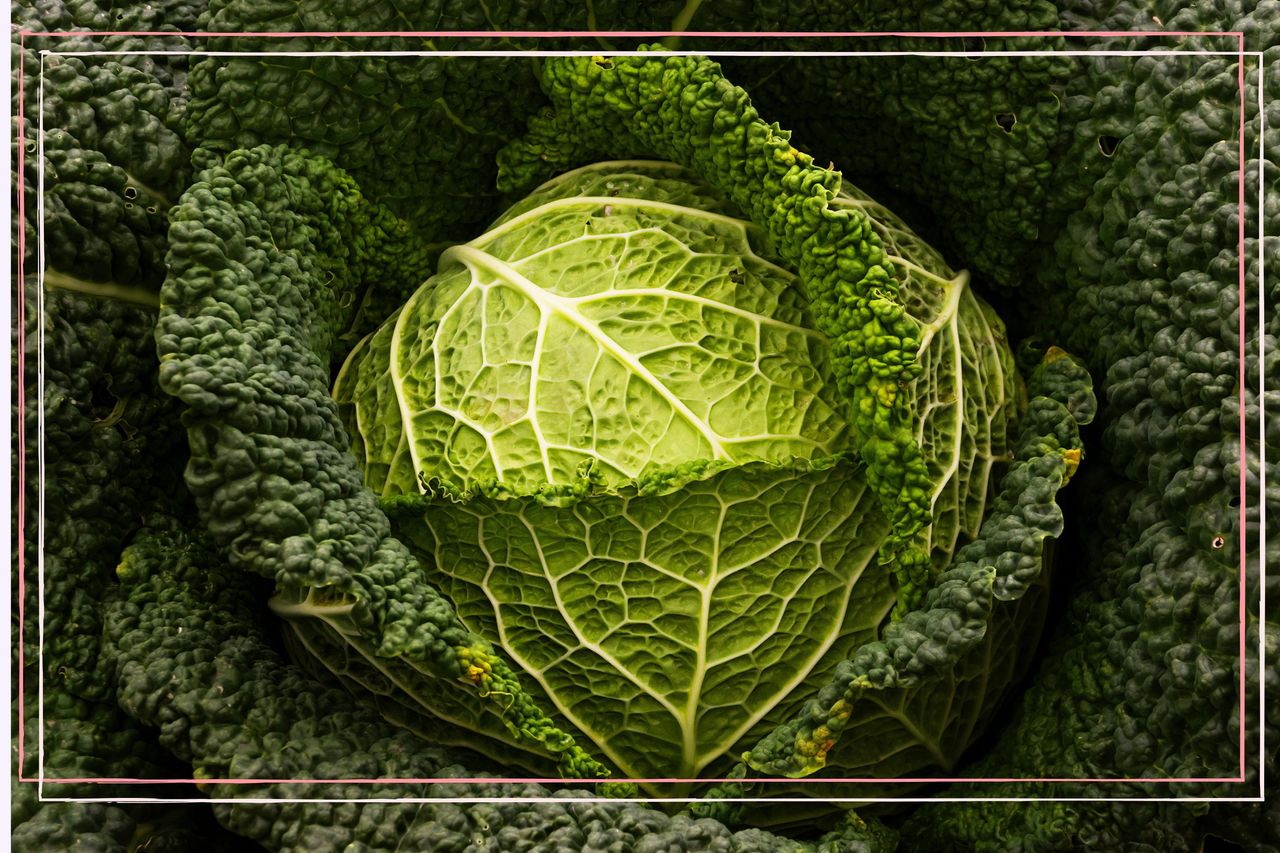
151,209
1006,121
130,192
973,44
1219,542
31,147
1234,502
1107,145
604,62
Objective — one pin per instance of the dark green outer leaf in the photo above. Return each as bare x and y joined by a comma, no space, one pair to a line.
267,254
1143,679
418,133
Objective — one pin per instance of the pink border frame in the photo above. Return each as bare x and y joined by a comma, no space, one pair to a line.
21,396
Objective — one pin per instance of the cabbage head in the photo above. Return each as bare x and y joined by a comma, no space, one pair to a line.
610,427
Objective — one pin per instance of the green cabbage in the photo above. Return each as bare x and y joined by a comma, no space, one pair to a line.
609,424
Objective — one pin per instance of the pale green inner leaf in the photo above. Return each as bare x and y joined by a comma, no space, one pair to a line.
617,334
668,627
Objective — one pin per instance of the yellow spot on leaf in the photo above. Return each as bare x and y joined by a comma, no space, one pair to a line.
1072,458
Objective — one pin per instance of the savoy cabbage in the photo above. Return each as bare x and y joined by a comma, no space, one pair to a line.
638,475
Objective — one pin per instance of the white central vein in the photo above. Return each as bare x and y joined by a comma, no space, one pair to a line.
949,318
551,304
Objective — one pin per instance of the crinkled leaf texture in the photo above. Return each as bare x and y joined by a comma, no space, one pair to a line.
268,251
610,425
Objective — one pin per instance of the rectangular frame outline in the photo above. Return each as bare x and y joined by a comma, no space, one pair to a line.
1241,54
